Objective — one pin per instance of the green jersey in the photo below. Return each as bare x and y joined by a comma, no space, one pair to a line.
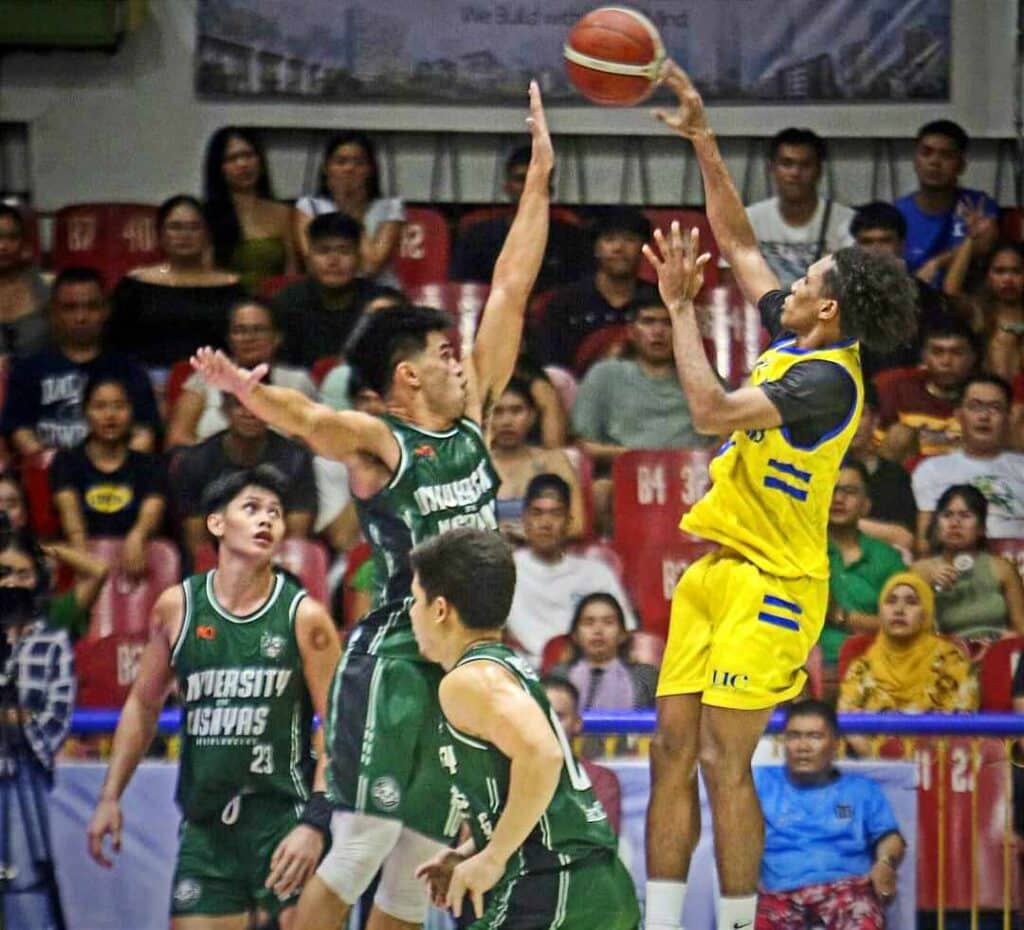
247,712
443,481
573,828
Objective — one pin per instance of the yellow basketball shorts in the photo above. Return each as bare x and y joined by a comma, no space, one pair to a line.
738,636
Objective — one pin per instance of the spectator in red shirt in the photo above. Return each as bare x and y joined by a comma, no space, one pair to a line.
917,413
564,699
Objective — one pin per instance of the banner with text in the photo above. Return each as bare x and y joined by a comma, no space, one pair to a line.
478,51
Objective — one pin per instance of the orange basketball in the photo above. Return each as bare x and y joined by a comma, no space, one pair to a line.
613,56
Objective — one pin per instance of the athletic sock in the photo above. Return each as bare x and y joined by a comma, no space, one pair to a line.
664,907
737,913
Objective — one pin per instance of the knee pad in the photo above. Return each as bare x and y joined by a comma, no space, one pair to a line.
399,894
360,843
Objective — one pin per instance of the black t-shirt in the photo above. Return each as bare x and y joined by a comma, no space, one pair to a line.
44,393
891,495
196,466
477,248
110,501
161,325
579,310
814,397
312,330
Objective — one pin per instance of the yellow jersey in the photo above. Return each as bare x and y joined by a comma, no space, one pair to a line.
771,490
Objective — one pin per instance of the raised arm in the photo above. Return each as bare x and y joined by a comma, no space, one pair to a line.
334,434
715,410
501,327
138,722
729,223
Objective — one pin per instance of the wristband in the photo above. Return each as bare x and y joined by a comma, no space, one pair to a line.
317,813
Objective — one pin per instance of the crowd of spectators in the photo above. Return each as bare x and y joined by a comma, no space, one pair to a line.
99,390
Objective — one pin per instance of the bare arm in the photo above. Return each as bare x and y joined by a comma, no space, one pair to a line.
726,214
953,284
335,434
298,524
181,431
300,238
26,442
715,410
90,572
138,722
602,451
483,700
296,856
142,439
501,326
895,534
375,253
554,427
72,520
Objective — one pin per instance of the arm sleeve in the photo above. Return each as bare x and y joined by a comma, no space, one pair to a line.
879,819
770,308
926,489
51,724
815,395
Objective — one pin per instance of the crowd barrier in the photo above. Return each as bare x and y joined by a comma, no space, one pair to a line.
949,778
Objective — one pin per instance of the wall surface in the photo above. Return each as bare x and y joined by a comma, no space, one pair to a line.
129,126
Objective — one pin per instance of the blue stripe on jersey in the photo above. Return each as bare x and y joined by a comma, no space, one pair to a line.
773,601
788,469
778,485
776,620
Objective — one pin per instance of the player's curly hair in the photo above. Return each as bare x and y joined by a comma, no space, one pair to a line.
877,298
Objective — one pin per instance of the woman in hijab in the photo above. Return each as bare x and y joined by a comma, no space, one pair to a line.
909,667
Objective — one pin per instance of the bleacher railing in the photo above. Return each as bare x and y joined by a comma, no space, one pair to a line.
969,854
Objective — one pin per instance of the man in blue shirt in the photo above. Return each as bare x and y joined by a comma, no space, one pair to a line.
939,212
832,844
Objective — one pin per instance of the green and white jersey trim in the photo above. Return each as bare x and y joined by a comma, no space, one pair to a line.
234,618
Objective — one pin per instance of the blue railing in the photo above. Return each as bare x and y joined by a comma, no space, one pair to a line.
608,722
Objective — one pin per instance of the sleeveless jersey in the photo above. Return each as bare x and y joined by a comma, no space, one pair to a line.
770,498
247,712
443,481
573,827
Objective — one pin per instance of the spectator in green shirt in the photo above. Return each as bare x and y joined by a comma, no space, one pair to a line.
858,564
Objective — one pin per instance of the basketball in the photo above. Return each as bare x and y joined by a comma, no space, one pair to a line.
613,55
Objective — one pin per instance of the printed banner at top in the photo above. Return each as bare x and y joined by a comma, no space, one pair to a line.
479,51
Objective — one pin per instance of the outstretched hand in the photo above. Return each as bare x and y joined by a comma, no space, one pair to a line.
537,122
680,269
689,119
222,373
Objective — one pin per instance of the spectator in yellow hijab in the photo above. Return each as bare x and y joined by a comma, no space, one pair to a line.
909,667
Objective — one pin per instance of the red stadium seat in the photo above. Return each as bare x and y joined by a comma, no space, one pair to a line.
537,308
885,380
304,558
180,373
114,238
425,248
482,214
124,604
652,490
602,343
32,251
556,650
853,647
662,219
106,668
1012,223
35,479
1010,549
270,287
995,673
322,367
